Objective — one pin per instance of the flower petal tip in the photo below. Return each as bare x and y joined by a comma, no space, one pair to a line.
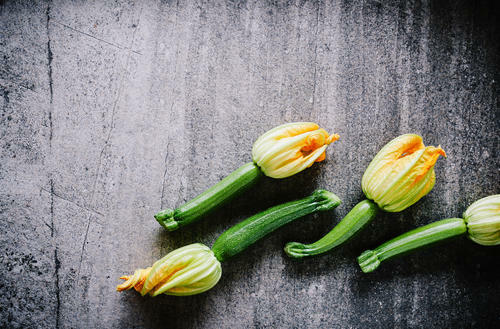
332,138
123,286
441,151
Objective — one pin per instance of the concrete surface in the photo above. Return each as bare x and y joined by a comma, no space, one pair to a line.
113,110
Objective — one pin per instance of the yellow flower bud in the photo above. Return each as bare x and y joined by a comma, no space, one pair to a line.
483,220
189,270
401,173
290,148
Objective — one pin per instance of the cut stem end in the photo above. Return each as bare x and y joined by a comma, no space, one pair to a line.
166,219
296,250
415,239
368,261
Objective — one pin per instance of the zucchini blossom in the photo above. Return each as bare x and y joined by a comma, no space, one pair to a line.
401,173
290,148
196,268
189,270
281,152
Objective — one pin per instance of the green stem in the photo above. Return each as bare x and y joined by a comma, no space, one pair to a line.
412,240
247,232
222,192
351,224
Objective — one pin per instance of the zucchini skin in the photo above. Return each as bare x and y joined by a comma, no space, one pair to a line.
359,216
247,232
412,240
234,184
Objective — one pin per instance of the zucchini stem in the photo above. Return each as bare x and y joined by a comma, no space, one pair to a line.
247,232
237,182
412,240
352,223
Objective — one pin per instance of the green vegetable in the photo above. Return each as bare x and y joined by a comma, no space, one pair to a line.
234,184
195,268
414,239
351,224
481,222
244,234
281,152
399,175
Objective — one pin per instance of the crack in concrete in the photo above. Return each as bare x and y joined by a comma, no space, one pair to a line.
58,290
51,208
57,264
49,67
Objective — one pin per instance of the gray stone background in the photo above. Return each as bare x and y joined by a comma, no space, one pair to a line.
113,110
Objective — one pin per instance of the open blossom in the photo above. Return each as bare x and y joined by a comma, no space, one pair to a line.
483,221
189,270
401,173
290,148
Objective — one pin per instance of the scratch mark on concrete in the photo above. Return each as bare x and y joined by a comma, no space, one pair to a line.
106,143
165,174
5,84
52,192
315,58
171,108
99,39
47,224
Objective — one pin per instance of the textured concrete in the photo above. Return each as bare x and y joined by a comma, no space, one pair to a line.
113,110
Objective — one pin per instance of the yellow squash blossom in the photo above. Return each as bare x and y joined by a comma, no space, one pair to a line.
189,270
401,173
290,148
281,152
483,221
196,268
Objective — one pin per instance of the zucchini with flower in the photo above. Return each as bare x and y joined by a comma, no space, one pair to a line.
281,152
196,268
400,174
480,222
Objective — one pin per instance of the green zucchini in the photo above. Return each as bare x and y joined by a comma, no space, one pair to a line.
352,223
412,240
195,268
222,192
247,232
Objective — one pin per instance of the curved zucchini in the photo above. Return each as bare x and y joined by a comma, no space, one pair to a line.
247,232
351,224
